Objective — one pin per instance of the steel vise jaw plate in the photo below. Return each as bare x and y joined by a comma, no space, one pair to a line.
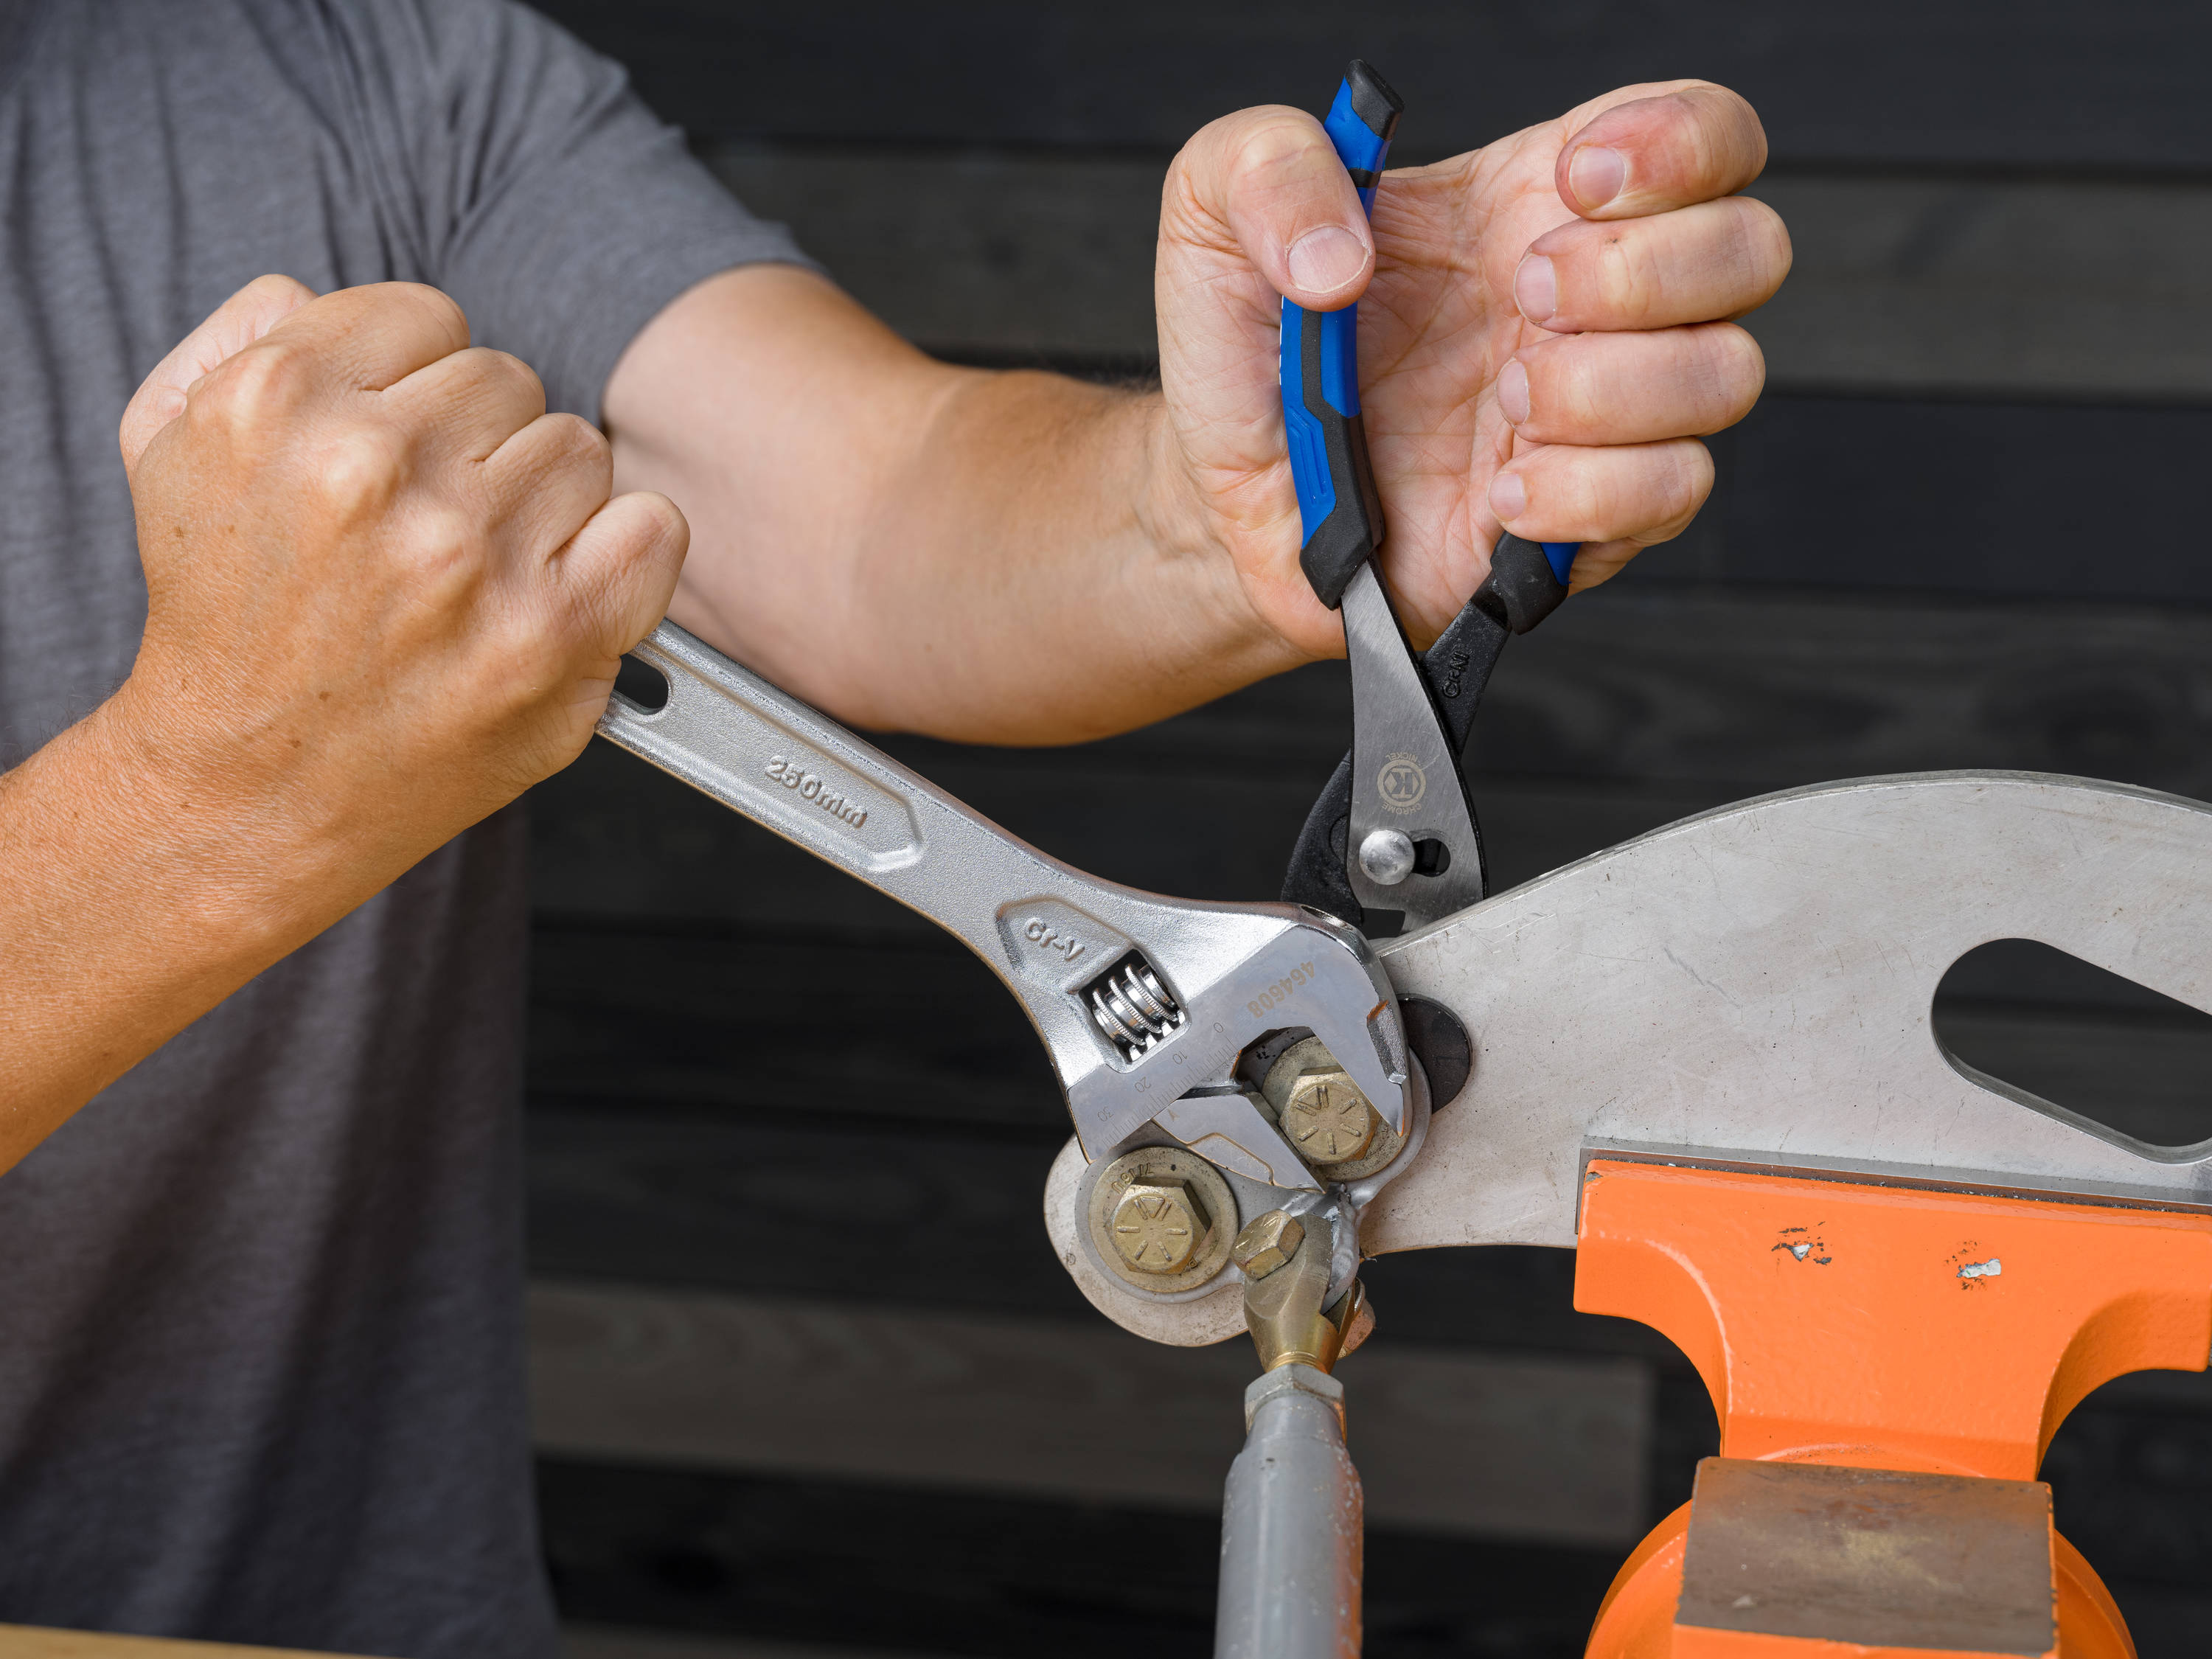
1755,984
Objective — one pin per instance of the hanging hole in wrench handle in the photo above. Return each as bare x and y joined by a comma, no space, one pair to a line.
1340,513
641,685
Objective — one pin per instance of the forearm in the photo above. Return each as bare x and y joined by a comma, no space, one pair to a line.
1004,558
1026,577
134,899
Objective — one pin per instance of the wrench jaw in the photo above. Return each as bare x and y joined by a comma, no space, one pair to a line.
1319,974
1230,1129
1306,969
1131,1102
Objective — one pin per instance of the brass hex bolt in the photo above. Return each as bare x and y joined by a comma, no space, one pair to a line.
1327,1118
1158,1224
1159,1219
1321,1110
1267,1243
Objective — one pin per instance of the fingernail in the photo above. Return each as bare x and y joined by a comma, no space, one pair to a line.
1509,496
1324,260
1536,288
1596,174
1513,392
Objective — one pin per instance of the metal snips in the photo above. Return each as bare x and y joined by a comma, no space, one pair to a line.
1394,842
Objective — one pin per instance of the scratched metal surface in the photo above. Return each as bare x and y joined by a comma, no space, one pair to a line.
1757,982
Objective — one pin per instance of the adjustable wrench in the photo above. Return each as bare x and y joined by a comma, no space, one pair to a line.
1145,1003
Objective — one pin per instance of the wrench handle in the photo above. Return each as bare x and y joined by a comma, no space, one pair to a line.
732,735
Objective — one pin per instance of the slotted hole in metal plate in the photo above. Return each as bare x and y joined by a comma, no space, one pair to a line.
639,684
2070,1033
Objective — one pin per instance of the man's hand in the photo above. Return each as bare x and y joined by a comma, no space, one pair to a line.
1541,335
387,591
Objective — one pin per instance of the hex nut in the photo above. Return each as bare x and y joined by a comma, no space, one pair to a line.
1152,1189
1324,1115
1158,1224
1327,1119
1268,1243
1322,1110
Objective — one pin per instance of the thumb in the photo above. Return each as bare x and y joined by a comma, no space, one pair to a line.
1271,179
625,562
238,322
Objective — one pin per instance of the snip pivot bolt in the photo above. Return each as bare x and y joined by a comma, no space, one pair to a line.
1387,856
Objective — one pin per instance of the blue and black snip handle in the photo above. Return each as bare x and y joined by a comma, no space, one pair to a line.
1341,513
1338,507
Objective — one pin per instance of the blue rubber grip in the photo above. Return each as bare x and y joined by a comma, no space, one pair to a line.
1339,510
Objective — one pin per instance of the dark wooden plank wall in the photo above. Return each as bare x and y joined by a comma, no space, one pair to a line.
1934,545
2040,83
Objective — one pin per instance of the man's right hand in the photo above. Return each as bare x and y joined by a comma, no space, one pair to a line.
387,590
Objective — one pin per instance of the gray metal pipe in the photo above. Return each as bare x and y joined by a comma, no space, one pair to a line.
1292,1525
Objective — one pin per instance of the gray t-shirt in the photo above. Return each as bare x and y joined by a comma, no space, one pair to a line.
261,1370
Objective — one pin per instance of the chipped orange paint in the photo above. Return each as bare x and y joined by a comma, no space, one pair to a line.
1882,1327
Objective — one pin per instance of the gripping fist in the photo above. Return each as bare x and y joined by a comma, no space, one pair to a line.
387,590
1543,335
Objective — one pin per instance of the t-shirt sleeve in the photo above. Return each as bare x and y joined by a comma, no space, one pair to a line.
536,187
